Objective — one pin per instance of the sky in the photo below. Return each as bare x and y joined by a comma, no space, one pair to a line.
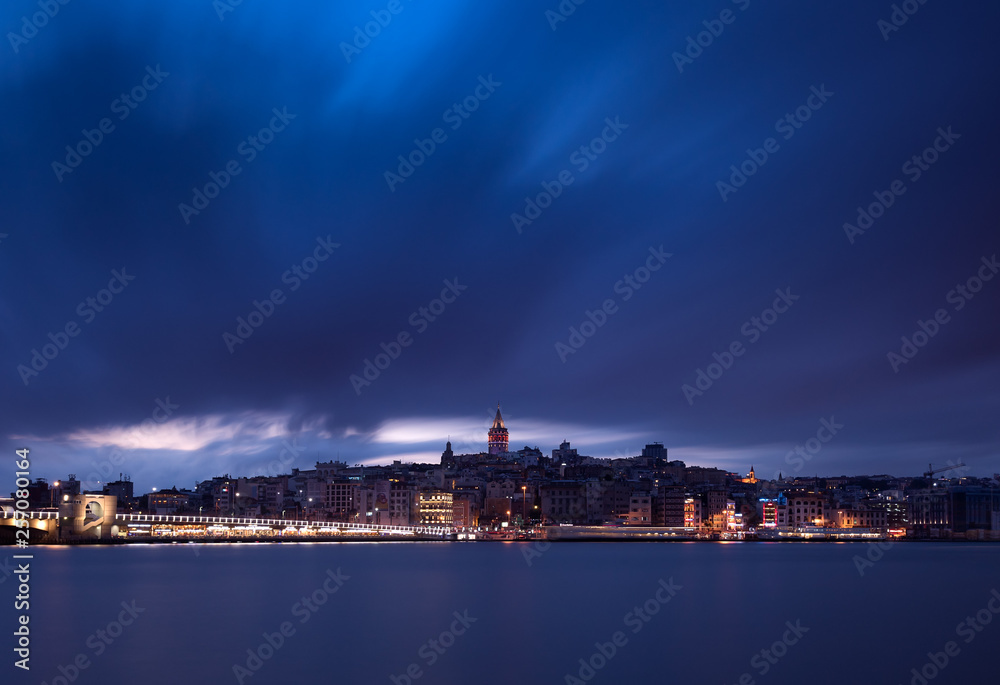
314,231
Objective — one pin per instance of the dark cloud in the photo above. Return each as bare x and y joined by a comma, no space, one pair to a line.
323,175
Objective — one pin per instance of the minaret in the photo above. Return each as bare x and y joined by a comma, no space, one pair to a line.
498,434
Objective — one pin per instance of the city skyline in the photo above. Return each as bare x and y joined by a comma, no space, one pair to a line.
801,462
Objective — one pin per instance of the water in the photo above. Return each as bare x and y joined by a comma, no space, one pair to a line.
201,612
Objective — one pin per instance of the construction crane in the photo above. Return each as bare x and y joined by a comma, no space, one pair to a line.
929,473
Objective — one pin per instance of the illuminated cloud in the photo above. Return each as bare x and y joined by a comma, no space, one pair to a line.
245,433
470,433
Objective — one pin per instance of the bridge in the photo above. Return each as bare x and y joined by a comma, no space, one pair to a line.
180,525
96,517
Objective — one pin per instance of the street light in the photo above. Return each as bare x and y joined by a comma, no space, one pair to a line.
524,503
55,485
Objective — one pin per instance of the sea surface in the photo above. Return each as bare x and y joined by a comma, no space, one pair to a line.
507,613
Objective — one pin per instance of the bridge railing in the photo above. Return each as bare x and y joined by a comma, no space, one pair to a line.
193,519
43,515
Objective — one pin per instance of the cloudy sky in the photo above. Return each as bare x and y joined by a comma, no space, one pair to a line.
571,214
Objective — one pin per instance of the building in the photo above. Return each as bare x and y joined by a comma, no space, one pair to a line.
461,512
897,513
564,502
617,501
701,475
655,450
692,512
806,509
734,520
168,501
218,496
930,510
496,510
339,500
122,489
774,512
861,517
640,509
974,508
448,456
565,455
403,504
715,501
668,507
329,469
498,438
436,508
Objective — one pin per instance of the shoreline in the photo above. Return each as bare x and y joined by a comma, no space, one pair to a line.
394,538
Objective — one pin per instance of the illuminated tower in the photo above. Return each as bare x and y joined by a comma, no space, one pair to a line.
498,435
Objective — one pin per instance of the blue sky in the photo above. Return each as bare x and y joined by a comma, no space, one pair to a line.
268,89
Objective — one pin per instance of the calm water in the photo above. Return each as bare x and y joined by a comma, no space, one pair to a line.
201,612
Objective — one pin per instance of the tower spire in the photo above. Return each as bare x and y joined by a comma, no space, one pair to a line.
498,437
